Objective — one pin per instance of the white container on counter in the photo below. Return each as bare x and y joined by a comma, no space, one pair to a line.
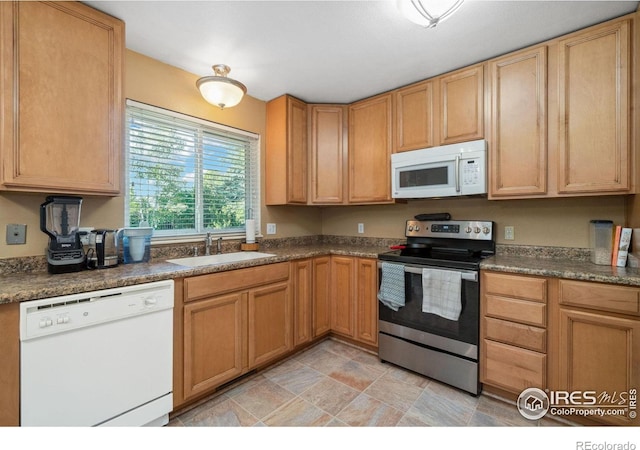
601,241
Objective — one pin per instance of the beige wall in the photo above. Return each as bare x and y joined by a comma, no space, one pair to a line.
547,222
554,222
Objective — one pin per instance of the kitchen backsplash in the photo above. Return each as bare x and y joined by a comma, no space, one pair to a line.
167,251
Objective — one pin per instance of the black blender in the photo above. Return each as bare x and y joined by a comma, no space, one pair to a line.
60,219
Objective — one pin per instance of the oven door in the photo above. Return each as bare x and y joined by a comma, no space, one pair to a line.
459,337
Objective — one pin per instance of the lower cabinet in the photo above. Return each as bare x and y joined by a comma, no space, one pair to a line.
10,367
232,322
215,342
229,323
598,346
321,299
270,323
341,293
577,339
513,332
354,303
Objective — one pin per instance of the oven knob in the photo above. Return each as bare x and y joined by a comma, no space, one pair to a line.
417,228
410,227
477,230
485,230
468,230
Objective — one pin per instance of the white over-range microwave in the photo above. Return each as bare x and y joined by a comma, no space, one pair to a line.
445,171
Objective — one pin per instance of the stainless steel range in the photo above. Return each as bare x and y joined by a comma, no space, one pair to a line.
429,308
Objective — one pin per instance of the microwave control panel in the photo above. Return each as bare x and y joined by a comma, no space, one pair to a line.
470,172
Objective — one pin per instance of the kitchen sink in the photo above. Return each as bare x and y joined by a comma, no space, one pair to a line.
223,258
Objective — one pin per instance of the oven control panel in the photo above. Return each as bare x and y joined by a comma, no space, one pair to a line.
456,229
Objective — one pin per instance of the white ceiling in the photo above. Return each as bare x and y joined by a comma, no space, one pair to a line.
340,51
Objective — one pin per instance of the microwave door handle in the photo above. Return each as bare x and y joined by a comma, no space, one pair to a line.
457,170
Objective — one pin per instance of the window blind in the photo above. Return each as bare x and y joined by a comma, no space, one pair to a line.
187,175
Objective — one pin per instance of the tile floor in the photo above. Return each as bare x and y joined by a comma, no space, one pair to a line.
335,384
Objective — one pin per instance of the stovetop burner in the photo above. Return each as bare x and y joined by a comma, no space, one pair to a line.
455,244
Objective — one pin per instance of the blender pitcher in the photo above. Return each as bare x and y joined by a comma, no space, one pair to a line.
60,220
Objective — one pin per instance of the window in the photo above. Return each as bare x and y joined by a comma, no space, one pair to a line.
189,176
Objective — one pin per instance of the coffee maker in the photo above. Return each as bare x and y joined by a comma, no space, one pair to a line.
60,220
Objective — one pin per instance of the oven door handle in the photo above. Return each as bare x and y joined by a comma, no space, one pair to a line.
466,275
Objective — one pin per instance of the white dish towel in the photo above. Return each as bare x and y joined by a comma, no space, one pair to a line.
441,293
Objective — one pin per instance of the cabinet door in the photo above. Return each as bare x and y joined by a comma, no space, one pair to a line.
462,105
518,143
594,75
62,99
214,342
270,319
414,117
302,301
286,152
321,295
367,301
370,150
10,367
328,154
599,353
297,154
343,295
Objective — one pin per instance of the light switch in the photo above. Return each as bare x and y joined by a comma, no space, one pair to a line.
16,233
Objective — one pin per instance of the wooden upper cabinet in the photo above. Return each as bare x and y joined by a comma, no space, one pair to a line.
61,98
414,115
518,141
286,151
328,154
594,75
462,105
370,125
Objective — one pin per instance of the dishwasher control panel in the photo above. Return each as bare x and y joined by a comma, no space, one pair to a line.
61,314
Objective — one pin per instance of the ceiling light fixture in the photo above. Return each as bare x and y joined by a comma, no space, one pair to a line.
417,11
219,90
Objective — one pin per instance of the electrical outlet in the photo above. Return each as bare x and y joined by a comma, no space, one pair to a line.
271,228
16,234
360,228
509,233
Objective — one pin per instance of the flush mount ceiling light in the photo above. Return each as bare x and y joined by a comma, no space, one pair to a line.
428,13
220,90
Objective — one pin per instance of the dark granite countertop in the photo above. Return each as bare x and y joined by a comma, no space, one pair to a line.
24,286
31,284
563,268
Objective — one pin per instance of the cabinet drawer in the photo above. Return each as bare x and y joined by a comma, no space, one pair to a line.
526,336
522,311
513,368
524,287
602,297
203,286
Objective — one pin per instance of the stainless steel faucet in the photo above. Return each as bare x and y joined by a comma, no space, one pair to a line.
207,244
219,245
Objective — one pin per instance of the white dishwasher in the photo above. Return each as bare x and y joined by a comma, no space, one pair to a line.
98,358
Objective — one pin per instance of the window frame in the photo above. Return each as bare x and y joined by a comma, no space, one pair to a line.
197,235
